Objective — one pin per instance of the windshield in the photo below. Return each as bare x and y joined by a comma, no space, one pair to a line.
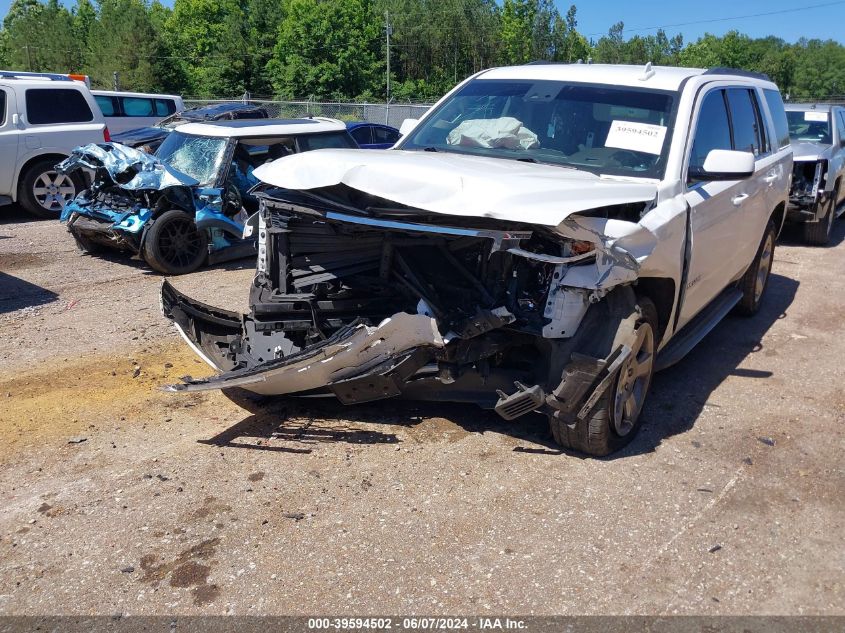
199,157
809,125
601,129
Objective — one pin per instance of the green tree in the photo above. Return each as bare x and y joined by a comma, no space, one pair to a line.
328,49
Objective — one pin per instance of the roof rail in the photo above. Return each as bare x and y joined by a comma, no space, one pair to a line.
721,70
544,62
14,74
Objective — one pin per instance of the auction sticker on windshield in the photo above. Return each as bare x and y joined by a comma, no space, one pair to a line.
639,137
819,117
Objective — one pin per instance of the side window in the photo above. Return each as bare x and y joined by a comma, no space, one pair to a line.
165,107
712,130
137,106
362,135
773,99
384,135
745,121
2,108
56,105
107,105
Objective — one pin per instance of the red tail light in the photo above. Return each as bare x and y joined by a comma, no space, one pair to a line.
106,135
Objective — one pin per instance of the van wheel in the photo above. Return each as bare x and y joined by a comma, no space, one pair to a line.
173,245
615,419
756,279
44,192
818,233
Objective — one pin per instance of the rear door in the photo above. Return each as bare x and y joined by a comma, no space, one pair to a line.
9,136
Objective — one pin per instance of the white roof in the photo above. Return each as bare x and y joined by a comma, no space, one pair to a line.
246,128
807,107
121,93
661,77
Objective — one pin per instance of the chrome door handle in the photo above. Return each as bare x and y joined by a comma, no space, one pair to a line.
770,178
738,200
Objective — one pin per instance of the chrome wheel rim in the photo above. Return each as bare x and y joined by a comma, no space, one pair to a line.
633,382
764,266
53,190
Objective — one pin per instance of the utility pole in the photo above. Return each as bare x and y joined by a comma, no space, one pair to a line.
115,78
387,32
28,58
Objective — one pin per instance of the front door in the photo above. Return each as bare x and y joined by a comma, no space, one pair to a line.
9,135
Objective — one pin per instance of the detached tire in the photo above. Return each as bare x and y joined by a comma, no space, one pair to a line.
43,191
818,233
173,245
756,279
615,419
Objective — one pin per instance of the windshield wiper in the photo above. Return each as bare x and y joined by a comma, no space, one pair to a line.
527,159
430,149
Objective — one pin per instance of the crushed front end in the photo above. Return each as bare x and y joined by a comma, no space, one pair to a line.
808,198
127,189
365,299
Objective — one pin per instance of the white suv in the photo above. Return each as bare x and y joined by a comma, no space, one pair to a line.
42,118
544,239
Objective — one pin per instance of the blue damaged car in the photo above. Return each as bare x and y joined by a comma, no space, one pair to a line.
186,205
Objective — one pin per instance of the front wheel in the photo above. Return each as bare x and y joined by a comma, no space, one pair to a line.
615,419
756,279
173,244
818,233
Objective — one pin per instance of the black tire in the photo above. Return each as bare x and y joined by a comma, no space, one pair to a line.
610,426
43,192
83,244
756,279
818,233
173,245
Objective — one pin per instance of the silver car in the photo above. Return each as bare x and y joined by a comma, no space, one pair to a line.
817,133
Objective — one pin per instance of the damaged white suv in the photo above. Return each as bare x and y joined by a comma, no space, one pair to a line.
543,240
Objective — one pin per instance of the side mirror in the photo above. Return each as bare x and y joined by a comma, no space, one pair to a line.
725,164
407,126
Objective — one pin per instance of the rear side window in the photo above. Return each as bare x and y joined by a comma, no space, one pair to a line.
775,103
713,130
745,121
361,135
137,106
107,105
165,107
841,126
384,135
56,105
2,107
321,141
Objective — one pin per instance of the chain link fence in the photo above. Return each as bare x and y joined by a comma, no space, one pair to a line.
386,113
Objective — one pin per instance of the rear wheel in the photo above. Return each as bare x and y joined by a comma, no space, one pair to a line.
615,419
45,192
756,279
173,244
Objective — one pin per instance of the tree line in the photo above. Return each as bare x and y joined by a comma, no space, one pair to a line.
337,49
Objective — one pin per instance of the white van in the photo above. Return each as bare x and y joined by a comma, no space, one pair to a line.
129,110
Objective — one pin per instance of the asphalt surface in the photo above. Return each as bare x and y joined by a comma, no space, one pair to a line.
116,497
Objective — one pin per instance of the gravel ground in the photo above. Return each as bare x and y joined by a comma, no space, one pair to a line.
116,497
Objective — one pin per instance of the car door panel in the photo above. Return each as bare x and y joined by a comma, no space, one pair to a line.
9,138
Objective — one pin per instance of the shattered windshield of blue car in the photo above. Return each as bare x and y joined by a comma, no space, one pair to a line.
200,157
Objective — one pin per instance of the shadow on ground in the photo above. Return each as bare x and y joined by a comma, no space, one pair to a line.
17,294
678,396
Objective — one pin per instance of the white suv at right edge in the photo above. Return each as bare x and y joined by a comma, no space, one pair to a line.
43,117
544,239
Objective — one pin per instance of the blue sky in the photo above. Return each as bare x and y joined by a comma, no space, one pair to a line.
596,16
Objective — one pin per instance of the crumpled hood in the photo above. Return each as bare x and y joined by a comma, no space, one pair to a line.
806,150
454,184
129,168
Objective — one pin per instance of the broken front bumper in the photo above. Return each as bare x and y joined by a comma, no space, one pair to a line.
358,363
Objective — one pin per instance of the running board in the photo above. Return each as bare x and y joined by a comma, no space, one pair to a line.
692,333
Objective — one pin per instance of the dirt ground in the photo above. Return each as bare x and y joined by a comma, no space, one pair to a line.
116,497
